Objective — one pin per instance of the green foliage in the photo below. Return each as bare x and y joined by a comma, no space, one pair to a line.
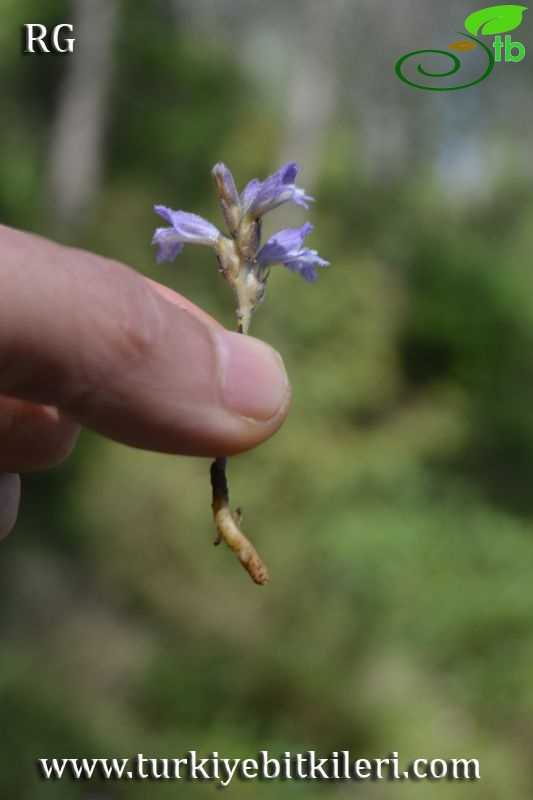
185,93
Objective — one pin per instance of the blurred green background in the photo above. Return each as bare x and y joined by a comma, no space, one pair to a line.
395,506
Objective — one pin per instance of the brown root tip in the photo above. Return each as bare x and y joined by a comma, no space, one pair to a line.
258,573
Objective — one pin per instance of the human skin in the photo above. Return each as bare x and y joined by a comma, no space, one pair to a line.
86,341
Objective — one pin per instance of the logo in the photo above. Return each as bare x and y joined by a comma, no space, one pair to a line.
491,21
36,35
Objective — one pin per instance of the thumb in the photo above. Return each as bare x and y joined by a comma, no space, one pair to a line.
96,339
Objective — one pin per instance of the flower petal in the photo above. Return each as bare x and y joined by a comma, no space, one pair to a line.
286,247
191,227
259,198
283,245
249,192
305,264
169,244
186,228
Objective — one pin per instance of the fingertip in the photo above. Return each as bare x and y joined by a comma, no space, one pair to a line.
254,381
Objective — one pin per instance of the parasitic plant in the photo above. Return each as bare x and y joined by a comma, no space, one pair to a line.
245,265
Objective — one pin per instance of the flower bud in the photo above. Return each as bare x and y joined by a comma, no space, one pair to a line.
228,196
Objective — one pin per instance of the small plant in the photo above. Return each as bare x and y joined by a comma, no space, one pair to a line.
245,265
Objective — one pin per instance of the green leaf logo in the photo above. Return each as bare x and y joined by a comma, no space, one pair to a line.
493,20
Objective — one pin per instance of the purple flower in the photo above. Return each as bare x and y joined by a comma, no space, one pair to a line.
249,192
239,260
186,228
287,248
260,197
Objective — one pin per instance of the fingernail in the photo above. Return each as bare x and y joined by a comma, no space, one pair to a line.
254,381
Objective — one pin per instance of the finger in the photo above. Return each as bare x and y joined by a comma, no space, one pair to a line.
9,501
182,302
93,337
33,436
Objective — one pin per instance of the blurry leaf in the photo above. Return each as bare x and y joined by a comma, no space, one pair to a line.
464,44
496,19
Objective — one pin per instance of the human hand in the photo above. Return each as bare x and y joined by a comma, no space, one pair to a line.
88,341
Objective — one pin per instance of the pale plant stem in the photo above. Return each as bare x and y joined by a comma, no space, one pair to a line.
228,523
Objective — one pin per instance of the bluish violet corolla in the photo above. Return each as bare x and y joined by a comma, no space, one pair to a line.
243,213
